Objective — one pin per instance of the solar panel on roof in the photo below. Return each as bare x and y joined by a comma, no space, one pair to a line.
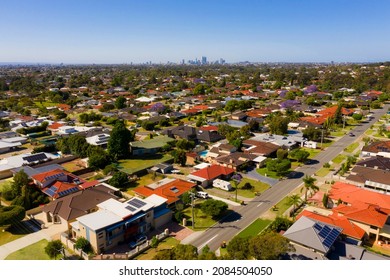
136,203
50,192
130,208
317,226
36,157
324,232
174,189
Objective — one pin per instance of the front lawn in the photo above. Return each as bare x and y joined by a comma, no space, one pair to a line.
282,206
351,148
313,152
136,164
264,172
249,193
339,159
165,244
34,251
143,181
322,172
255,228
202,221
7,236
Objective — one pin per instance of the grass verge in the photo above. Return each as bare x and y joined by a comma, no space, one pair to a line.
34,251
254,228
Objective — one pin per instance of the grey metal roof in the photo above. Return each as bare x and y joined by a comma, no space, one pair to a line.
313,234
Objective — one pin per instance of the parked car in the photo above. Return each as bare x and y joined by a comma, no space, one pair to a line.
138,240
202,195
351,134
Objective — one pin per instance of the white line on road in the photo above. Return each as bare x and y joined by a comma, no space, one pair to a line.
259,204
208,241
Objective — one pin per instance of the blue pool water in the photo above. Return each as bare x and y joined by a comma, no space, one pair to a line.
203,153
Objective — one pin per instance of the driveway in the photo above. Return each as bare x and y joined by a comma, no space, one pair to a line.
252,174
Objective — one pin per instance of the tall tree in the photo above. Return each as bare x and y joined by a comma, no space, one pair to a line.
270,246
54,248
120,102
309,185
20,180
118,145
295,200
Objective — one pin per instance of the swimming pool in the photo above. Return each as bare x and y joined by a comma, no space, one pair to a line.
203,153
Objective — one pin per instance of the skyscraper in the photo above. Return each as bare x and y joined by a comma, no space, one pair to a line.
204,60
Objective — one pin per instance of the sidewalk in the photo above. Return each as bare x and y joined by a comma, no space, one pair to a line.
232,203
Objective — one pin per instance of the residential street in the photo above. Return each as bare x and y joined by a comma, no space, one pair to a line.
245,215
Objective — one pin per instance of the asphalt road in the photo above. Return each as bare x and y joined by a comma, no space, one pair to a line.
244,215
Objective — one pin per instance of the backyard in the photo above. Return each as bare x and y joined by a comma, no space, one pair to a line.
136,164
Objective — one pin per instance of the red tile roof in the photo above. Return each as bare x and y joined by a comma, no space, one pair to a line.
64,107
350,194
191,111
348,227
369,214
213,172
166,190
55,125
42,176
201,107
209,128
89,184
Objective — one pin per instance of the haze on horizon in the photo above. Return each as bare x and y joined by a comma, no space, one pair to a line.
160,31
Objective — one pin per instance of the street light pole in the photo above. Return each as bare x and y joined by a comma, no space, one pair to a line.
192,209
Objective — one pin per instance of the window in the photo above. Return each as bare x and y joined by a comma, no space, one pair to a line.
100,235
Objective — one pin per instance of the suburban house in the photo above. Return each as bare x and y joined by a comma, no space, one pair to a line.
367,209
163,168
375,178
260,148
320,117
313,234
207,134
9,163
351,232
66,209
99,139
171,189
237,160
151,146
381,148
116,223
207,175
58,183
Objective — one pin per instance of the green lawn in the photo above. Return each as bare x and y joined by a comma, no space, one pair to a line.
167,243
144,180
133,165
339,159
351,148
313,152
254,228
258,187
35,251
7,236
282,206
45,104
322,172
5,183
337,133
263,171
202,221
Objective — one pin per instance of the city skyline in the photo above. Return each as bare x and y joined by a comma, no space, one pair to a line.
103,32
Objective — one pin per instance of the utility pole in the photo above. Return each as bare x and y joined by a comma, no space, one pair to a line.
322,137
343,121
192,209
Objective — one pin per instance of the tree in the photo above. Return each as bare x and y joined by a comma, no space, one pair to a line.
185,144
278,124
98,157
179,156
309,185
83,244
299,154
119,180
281,154
186,198
313,134
213,207
270,246
54,248
279,166
295,200
325,200
357,117
207,254
10,215
238,248
118,144
280,224
148,125
154,242
20,180
120,102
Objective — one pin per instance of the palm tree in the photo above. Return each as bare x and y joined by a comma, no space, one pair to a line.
309,185
295,200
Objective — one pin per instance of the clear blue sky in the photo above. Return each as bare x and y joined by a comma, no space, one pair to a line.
123,31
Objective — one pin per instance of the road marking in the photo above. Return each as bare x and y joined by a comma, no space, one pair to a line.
259,204
208,241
